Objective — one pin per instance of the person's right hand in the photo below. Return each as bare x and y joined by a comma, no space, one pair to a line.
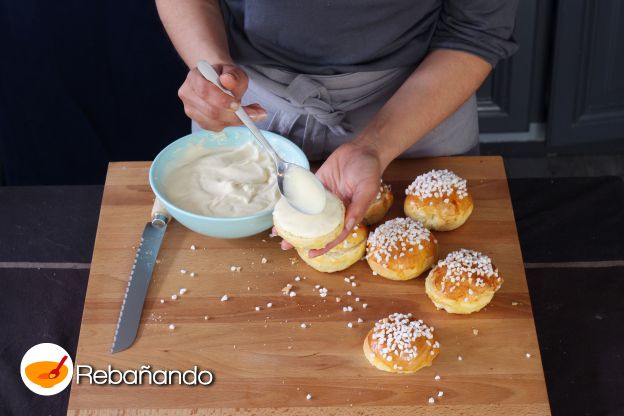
210,107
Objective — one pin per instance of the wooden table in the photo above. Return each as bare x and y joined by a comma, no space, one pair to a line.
264,362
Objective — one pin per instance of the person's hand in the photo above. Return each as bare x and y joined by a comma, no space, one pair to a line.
353,173
210,107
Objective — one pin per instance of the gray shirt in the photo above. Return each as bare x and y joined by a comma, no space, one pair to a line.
340,36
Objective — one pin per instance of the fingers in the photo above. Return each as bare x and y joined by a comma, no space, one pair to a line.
315,253
234,79
208,115
256,112
210,107
210,93
285,245
360,201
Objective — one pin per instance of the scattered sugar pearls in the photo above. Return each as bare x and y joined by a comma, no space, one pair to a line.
437,184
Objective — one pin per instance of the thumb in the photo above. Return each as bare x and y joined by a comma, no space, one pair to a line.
234,79
360,201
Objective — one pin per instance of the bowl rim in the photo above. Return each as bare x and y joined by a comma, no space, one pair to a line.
167,202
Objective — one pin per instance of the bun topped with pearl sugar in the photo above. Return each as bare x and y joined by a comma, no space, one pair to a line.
401,249
464,282
401,344
380,205
345,254
439,199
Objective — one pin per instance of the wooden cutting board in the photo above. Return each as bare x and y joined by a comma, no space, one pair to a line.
264,362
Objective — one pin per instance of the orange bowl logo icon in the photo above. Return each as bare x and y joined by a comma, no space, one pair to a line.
47,369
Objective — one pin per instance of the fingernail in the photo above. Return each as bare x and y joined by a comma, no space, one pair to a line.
258,116
231,75
234,106
350,224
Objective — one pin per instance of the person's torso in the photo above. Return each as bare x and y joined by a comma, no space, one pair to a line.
334,36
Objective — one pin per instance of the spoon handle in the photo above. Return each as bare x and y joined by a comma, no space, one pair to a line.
60,364
211,75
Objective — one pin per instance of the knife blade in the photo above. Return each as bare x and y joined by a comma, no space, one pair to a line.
139,280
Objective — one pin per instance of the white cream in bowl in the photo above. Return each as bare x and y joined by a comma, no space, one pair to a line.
223,182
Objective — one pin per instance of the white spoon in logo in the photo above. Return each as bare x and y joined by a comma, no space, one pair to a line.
301,188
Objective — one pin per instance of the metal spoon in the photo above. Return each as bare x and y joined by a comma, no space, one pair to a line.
281,165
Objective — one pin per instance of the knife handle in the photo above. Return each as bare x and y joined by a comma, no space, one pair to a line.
160,214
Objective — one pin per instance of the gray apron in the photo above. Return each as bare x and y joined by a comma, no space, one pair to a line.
321,112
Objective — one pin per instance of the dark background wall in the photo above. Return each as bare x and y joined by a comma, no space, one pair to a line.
81,83
566,79
87,82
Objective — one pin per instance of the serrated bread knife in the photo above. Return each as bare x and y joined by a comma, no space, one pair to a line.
140,276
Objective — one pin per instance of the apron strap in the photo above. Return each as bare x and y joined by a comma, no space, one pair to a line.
297,100
313,97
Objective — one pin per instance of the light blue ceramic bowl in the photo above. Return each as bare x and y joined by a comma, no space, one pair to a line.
221,227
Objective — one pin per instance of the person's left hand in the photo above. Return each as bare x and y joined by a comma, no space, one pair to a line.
352,172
